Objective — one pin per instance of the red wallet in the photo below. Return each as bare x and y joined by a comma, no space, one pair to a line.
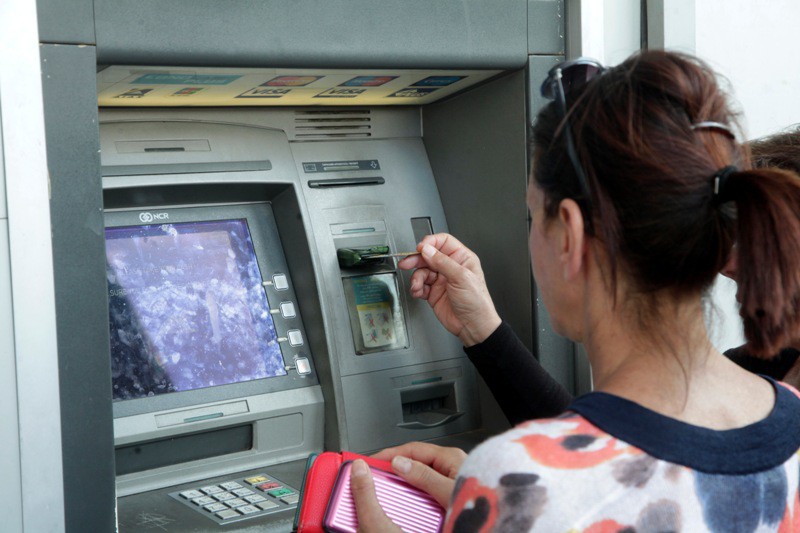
318,485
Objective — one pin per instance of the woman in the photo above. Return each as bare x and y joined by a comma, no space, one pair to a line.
638,192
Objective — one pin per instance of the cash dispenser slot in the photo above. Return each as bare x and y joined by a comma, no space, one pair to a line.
429,406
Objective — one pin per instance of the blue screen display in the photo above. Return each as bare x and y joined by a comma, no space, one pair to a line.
187,309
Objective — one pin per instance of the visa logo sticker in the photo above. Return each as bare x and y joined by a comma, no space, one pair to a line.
340,92
264,92
412,92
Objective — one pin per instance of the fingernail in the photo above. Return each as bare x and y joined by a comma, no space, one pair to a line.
359,468
401,464
428,250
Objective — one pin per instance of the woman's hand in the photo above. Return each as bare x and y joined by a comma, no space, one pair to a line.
426,466
448,275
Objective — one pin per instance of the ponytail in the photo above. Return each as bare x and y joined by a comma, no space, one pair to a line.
768,248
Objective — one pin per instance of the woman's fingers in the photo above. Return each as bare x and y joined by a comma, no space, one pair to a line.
424,477
371,517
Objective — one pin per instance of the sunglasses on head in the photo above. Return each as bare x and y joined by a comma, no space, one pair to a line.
561,80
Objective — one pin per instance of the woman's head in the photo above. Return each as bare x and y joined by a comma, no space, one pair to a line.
647,136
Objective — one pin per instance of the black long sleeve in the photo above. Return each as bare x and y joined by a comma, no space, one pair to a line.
522,387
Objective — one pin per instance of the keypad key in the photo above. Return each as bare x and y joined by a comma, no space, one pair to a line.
191,494
228,514
248,509
211,489
255,498
222,496
267,505
230,485
215,507
277,493
291,499
255,480
268,486
203,500
236,502
242,492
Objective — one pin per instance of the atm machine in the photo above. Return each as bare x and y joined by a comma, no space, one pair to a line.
207,161
239,344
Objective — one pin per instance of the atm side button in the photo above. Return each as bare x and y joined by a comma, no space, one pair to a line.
295,337
287,310
302,365
280,282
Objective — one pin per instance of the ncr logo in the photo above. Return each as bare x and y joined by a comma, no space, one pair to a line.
153,217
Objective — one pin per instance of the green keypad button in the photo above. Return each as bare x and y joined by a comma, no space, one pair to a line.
277,493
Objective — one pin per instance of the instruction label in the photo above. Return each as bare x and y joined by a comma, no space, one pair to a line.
374,305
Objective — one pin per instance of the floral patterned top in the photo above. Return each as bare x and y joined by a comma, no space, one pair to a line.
611,465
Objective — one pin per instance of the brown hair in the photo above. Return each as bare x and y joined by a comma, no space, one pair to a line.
780,150
651,181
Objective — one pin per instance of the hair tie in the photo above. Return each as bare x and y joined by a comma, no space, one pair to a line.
719,180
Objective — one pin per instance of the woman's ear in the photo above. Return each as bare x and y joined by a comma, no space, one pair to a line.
574,241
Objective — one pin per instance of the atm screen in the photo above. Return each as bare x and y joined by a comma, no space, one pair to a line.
187,309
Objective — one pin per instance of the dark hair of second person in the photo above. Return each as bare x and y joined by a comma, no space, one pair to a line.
778,150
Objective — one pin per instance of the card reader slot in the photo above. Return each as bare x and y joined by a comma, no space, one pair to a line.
345,182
